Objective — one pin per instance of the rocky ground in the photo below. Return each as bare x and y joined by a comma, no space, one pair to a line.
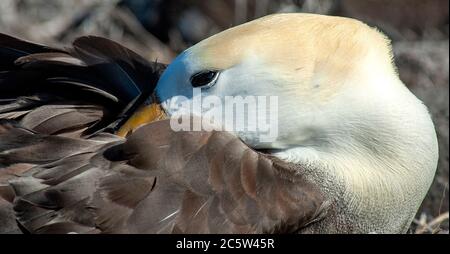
159,29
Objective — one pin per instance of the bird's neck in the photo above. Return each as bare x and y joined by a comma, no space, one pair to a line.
378,164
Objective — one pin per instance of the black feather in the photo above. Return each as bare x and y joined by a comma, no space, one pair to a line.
12,48
95,71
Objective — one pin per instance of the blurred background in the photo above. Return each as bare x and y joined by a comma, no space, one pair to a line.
160,29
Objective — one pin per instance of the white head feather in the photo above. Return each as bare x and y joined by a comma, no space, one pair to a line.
343,112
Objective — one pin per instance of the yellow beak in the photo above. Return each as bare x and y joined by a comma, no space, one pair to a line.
144,115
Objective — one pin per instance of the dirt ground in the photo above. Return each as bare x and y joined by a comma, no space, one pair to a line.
159,29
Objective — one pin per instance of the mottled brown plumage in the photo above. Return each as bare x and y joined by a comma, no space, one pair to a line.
158,181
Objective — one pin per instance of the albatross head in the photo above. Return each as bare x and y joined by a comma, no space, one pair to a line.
341,107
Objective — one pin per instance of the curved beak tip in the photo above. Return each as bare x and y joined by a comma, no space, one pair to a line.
144,115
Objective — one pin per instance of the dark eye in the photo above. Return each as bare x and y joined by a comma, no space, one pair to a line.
204,78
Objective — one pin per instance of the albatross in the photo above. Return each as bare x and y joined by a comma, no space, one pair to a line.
87,145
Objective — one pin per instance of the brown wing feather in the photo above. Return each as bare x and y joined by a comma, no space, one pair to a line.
160,181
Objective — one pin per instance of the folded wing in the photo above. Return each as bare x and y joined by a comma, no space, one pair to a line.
156,181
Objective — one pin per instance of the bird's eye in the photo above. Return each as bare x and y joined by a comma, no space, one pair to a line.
204,78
